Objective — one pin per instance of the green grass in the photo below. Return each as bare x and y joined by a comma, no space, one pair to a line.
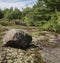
2,30
34,34
15,26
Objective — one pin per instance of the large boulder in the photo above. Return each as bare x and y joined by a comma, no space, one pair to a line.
17,38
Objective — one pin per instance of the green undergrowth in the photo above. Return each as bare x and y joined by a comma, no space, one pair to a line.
34,34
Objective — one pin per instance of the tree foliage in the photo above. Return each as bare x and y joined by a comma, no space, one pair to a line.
1,14
12,14
44,14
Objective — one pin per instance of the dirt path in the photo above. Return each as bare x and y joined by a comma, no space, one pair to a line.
51,55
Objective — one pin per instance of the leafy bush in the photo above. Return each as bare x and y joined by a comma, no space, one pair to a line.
52,25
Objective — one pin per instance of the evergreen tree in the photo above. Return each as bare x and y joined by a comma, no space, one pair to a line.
1,14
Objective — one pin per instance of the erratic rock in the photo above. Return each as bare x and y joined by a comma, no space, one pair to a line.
17,38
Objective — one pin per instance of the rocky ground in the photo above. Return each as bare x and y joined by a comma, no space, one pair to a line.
51,55
48,46
14,55
50,42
